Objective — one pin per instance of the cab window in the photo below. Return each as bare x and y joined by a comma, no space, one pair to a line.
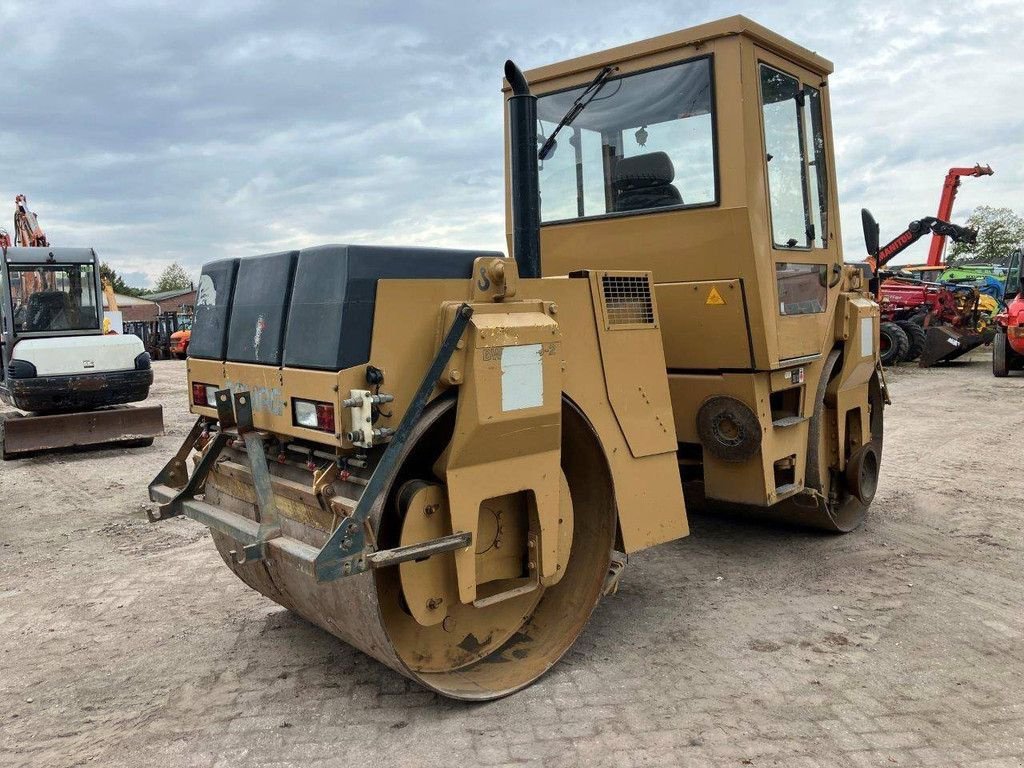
1013,275
645,142
794,144
50,298
802,288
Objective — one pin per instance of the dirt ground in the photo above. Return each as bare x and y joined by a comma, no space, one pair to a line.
125,643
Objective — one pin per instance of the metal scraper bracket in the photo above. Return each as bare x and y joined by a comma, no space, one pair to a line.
344,553
347,551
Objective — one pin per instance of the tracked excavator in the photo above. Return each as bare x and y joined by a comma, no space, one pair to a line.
444,457
69,381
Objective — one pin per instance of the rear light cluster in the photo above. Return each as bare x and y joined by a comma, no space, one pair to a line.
313,414
204,394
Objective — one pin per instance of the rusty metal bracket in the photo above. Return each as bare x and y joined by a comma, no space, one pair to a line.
349,550
345,551
269,519
175,472
171,502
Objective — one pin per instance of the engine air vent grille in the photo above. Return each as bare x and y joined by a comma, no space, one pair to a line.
627,300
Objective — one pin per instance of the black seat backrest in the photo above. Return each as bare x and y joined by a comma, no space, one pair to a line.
330,319
645,181
259,308
209,337
48,311
307,309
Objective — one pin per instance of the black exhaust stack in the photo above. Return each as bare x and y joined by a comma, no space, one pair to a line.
522,129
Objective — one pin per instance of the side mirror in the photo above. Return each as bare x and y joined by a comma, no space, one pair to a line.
870,231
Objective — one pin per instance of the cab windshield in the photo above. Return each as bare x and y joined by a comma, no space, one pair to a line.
53,297
645,142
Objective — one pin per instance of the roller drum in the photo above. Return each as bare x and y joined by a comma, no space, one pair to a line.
484,653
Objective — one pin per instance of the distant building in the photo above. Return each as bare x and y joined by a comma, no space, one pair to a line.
134,308
175,301
151,306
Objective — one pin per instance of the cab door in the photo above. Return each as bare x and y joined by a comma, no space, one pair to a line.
804,248
1013,275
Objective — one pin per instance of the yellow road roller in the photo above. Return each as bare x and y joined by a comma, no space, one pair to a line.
443,456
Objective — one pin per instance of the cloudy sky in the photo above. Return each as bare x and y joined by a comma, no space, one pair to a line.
163,132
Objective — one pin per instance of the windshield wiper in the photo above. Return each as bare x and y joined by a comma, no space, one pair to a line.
577,106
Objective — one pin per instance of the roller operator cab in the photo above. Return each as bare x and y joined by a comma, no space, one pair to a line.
706,157
442,456
55,355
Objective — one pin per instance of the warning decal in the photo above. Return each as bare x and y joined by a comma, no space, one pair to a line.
715,298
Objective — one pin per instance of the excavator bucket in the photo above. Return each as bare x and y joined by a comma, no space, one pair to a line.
943,343
22,435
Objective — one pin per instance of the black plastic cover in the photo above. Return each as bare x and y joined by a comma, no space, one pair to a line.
209,337
330,322
259,308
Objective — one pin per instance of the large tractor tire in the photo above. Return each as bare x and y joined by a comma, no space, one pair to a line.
893,344
838,502
915,337
475,652
1000,356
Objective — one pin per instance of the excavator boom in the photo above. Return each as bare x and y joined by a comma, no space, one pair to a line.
26,225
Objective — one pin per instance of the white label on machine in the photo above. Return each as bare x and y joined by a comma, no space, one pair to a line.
867,337
522,377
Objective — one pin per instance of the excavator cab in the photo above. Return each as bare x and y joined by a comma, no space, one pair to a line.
55,362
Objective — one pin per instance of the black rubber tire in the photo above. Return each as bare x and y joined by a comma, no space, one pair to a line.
893,344
1000,356
915,336
832,508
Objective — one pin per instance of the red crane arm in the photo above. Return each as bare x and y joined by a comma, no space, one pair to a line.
949,189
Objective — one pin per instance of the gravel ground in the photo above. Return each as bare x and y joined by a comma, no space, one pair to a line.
124,643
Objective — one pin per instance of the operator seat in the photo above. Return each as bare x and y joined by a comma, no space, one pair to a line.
645,181
48,311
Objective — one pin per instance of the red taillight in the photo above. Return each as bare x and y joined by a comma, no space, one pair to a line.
199,394
313,414
325,417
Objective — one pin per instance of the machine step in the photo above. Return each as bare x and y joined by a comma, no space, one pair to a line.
788,489
789,421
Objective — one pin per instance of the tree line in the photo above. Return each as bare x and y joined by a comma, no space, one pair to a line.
1000,230
173,278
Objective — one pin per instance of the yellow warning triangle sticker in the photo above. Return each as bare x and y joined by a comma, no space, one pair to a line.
715,298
